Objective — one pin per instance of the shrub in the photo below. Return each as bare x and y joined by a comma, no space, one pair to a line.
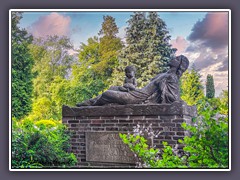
207,147
44,143
149,157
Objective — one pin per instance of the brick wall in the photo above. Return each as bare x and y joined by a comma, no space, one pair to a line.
122,119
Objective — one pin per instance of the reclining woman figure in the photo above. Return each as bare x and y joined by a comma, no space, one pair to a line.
162,89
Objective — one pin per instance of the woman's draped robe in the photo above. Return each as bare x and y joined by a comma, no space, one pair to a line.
164,88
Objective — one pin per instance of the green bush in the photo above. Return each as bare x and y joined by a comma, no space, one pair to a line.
207,147
40,144
149,157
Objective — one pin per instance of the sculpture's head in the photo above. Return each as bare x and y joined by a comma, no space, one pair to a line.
130,71
181,63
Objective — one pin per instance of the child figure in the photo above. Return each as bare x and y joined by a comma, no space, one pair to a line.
130,81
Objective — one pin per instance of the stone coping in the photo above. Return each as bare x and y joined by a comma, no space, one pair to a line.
176,108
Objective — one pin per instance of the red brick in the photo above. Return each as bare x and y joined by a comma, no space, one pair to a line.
107,117
137,117
97,121
168,124
73,121
98,128
125,121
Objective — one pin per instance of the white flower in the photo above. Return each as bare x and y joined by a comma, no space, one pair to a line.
218,116
36,127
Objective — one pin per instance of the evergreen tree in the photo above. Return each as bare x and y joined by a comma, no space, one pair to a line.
210,90
148,47
191,87
159,50
109,27
97,59
22,63
109,47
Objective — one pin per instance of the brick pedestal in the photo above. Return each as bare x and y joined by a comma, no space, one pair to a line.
95,130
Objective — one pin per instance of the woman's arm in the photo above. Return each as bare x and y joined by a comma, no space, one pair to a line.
157,76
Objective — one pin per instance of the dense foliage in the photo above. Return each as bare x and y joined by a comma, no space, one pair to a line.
44,143
22,63
109,47
191,87
96,62
147,156
40,70
51,68
207,147
147,47
210,90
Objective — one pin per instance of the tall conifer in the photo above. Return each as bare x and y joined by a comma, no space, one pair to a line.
22,63
210,90
147,47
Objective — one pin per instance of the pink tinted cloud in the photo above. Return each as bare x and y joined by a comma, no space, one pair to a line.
217,25
209,38
52,24
180,43
208,48
212,31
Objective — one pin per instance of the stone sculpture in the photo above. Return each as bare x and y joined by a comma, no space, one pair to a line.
162,89
130,81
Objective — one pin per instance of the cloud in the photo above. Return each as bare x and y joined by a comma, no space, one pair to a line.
211,61
72,52
207,57
212,31
224,64
208,48
180,43
52,24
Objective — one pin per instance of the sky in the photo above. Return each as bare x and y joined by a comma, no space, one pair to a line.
201,36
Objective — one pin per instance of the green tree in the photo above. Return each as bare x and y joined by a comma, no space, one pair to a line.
96,62
109,47
191,87
51,60
22,63
147,47
109,27
86,80
210,90
52,68
159,49
224,100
